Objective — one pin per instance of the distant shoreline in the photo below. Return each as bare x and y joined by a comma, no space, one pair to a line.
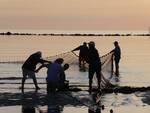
76,34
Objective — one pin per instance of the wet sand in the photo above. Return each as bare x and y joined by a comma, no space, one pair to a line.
74,101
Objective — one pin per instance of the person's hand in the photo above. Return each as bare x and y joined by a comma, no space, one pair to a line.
36,71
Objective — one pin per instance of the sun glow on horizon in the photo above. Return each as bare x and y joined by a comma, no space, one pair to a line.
75,14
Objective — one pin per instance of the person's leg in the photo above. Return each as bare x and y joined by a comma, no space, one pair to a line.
23,79
32,75
98,75
91,73
117,67
80,60
83,64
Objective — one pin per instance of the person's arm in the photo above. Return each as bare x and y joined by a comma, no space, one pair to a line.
42,61
112,51
43,65
76,49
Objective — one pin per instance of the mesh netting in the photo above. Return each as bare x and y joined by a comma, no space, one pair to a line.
106,60
72,59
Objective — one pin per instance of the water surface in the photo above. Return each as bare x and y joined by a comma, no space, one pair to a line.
134,68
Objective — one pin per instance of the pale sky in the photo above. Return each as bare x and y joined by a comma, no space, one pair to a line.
75,14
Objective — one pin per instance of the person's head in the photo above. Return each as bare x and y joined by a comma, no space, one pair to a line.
116,43
66,66
59,60
39,54
91,44
84,43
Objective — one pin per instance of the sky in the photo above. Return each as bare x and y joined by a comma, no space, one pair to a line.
98,15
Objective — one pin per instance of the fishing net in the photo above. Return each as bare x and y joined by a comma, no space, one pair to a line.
106,60
72,59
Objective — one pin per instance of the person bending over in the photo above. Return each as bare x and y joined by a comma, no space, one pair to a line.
29,66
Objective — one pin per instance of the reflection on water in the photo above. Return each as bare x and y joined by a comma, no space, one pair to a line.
30,104
98,110
61,102
28,109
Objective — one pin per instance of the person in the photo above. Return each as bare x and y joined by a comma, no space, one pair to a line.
83,51
54,73
94,64
117,56
63,83
29,66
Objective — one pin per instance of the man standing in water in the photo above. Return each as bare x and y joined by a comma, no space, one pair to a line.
83,51
29,66
117,56
94,65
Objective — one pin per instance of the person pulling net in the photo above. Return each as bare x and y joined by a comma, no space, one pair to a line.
71,58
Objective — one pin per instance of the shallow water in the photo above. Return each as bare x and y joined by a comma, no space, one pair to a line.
134,68
134,65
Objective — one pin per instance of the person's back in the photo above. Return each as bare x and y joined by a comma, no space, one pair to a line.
32,61
93,56
83,51
53,75
53,72
29,66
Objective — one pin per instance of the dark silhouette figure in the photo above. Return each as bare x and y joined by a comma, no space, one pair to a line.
54,109
53,71
83,51
63,83
94,65
29,66
55,75
117,56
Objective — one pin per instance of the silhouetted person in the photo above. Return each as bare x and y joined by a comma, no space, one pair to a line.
29,66
63,83
54,71
117,56
83,51
94,65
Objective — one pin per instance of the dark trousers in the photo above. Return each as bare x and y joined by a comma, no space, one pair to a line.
117,66
81,61
51,87
92,70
